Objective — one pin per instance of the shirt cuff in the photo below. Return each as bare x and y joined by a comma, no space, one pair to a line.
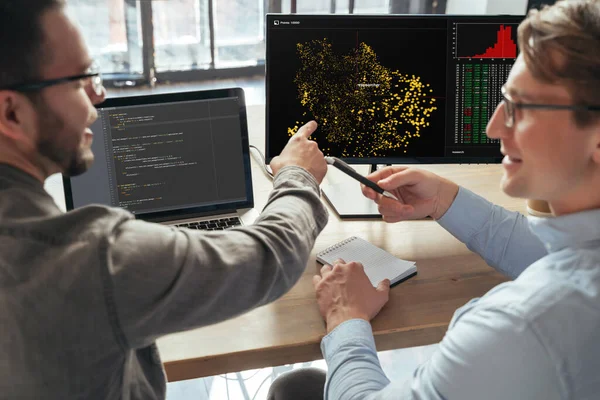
467,214
357,331
299,173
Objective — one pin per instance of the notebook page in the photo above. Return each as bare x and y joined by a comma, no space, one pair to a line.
378,263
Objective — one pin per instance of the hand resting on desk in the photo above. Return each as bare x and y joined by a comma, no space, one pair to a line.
421,193
344,292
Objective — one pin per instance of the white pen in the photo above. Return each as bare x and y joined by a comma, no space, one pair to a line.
345,168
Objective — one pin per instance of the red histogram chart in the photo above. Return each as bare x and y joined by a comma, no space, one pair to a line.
504,47
485,41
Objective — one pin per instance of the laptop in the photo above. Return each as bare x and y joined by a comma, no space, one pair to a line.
178,159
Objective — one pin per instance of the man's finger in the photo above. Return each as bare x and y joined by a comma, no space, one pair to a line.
391,219
384,287
368,192
325,269
393,208
307,129
316,279
385,172
339,261
403,178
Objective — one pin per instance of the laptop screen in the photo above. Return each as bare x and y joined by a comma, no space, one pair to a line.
168,156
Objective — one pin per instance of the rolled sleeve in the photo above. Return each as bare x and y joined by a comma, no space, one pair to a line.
164,279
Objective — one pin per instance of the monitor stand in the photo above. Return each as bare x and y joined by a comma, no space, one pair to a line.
345,196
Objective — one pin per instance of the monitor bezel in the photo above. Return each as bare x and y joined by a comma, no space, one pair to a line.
270,17
193,211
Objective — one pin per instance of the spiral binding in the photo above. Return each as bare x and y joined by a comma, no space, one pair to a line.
337,246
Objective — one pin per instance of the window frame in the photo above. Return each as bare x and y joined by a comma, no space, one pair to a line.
151,77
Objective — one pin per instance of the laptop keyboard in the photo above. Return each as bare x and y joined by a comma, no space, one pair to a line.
218,224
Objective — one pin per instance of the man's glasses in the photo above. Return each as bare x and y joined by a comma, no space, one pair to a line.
510,106
92,75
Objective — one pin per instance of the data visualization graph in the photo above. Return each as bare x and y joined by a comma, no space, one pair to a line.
365,109
483,57
387,90
477,95
485,41
373,98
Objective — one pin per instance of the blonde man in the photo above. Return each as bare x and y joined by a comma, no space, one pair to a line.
536,337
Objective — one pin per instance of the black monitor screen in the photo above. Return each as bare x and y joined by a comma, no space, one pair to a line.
389,89
168,156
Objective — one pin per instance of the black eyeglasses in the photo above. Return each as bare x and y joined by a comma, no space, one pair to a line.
510,105
93,75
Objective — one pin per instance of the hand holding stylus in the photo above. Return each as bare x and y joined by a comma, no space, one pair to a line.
422,193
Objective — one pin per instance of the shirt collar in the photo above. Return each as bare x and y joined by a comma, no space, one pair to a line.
567,230
10,175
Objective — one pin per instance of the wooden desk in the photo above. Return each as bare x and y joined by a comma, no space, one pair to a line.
290,329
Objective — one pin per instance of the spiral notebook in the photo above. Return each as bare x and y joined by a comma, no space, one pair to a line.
378,263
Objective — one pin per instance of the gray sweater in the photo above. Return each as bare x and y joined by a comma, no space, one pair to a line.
85,294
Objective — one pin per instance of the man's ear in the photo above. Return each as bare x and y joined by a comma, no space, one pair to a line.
596,143
17,116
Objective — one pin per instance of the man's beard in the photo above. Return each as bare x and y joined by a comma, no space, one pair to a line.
66,153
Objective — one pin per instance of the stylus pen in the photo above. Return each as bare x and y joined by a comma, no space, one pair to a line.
345,168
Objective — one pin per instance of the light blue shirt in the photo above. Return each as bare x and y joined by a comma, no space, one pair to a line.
536,337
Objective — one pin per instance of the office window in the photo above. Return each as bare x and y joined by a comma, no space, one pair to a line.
153,41
181,35
371,6
239,32
340,6
308,7
112,32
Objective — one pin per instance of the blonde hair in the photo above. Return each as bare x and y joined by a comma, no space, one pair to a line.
570,29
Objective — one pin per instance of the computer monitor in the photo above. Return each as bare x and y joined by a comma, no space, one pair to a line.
389,89
169,157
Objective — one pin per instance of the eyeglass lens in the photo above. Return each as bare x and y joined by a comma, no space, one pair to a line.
509,114
97,84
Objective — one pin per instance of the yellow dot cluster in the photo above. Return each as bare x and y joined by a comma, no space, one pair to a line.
362,107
